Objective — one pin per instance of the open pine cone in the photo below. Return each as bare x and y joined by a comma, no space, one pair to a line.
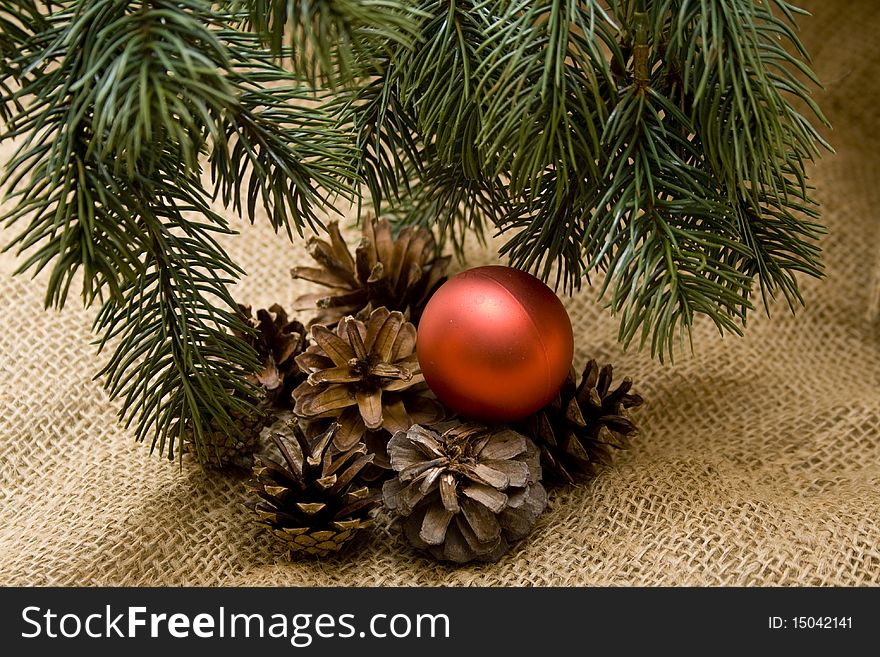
309,499
400,274
467,493
277,341
365,376
586,421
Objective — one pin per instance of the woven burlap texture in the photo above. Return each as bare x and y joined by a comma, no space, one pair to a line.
758,463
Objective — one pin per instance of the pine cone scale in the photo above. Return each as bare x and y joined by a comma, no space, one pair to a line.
334,260
449,493
405,343
424,410
369,270
486,495
370,406
516,472
482,520
351,429
472,541
504,445
340,248
384,243
333,346
320,275
417,469
382,343
342,304
435,524
483,474
323,403
333,375
394,415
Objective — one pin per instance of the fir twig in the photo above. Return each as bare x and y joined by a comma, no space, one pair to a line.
655,145
328,42
20,21
119,105
176,365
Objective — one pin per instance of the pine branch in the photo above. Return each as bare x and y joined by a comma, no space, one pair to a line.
739,84
76,218
177,367
438,79
388,147
450,199
742,72
545,103
328,42
119,105
781,235
76,212
548,229
661,263
20,20
656,143
155,76
545,98
299,156
417,120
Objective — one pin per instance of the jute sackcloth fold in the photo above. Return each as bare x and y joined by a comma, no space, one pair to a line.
758,464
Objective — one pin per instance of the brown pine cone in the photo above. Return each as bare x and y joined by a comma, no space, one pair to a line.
277,341
366,377
467,493
585,422
310,498
220,448
398,273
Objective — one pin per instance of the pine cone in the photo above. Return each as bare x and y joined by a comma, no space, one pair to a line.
277,341
466,494
585,422
224,449
309,499
400,274
366,376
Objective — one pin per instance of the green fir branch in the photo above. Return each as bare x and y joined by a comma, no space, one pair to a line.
437,79
297,156
388,148
176,365
545,89
451,200
656,146
328,42
120,105
20,21
78,216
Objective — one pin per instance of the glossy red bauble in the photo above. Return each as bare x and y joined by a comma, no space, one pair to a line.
495,343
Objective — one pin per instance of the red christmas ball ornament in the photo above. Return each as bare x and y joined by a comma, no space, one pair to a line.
495,343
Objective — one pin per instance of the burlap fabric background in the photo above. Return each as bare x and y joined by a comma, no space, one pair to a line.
759,461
